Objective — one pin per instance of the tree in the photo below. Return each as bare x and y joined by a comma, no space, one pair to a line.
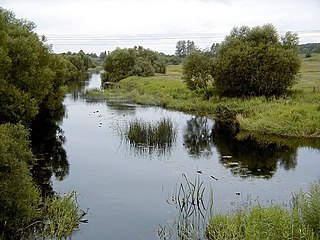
197,71
31,77
118,65
122,63
253,62
183,48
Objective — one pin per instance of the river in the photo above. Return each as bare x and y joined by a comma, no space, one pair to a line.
127,191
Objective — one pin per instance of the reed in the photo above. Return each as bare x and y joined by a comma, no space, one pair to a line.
194,207
158,135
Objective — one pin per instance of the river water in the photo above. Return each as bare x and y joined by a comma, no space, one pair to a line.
126,190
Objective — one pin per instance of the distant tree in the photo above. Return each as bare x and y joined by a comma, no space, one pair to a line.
139,61
183,48
197,72
253,62
102,56
214,49
118,65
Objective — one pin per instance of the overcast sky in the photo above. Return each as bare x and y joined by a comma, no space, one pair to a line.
99,25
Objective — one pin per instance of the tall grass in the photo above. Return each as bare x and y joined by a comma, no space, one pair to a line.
62,216
302,221
150,136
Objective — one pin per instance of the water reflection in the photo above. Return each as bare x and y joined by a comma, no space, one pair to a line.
47,145
78,87
245,157
249,157
197,137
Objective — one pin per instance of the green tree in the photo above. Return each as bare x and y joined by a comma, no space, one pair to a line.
30,74
183,48
118,65
19,198
122,63
197,71
254,62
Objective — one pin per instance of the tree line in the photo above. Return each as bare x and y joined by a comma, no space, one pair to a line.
32,83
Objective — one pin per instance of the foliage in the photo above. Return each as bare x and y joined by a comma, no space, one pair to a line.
62,216
196,71
309,48
137,61
183,48
81,61
19,198
253,62
31,77
275,222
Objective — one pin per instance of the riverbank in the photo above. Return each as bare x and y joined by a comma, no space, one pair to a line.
295,115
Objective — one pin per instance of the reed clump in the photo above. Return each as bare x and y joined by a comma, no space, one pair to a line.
160,134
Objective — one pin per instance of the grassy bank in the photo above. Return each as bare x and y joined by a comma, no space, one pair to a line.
302,221
295,115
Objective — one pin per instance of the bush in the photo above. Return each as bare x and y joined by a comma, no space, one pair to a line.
196,71
253,62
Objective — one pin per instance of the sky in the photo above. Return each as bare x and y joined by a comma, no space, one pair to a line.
103,25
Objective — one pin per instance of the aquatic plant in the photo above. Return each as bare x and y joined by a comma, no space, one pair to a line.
62,216
145,136
194,207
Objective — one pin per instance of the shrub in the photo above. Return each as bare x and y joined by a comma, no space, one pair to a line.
253,62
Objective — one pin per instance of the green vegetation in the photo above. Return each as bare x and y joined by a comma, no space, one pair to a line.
62,216
296,114
32,84
146,135
137,61
302,221
253,62
197,72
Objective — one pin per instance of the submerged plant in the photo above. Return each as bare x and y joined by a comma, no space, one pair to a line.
146,136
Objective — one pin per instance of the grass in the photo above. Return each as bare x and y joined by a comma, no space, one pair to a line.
150,136
302,221
295,115
62,216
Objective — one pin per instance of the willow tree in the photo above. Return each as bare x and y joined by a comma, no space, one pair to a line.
256,62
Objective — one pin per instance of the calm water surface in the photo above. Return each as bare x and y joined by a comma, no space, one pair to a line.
125,189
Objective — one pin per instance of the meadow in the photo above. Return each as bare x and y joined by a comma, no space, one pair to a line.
297,114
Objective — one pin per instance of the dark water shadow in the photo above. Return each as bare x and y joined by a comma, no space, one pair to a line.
47,145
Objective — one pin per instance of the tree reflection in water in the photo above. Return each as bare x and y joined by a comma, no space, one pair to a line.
198,137
47,146
245,157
